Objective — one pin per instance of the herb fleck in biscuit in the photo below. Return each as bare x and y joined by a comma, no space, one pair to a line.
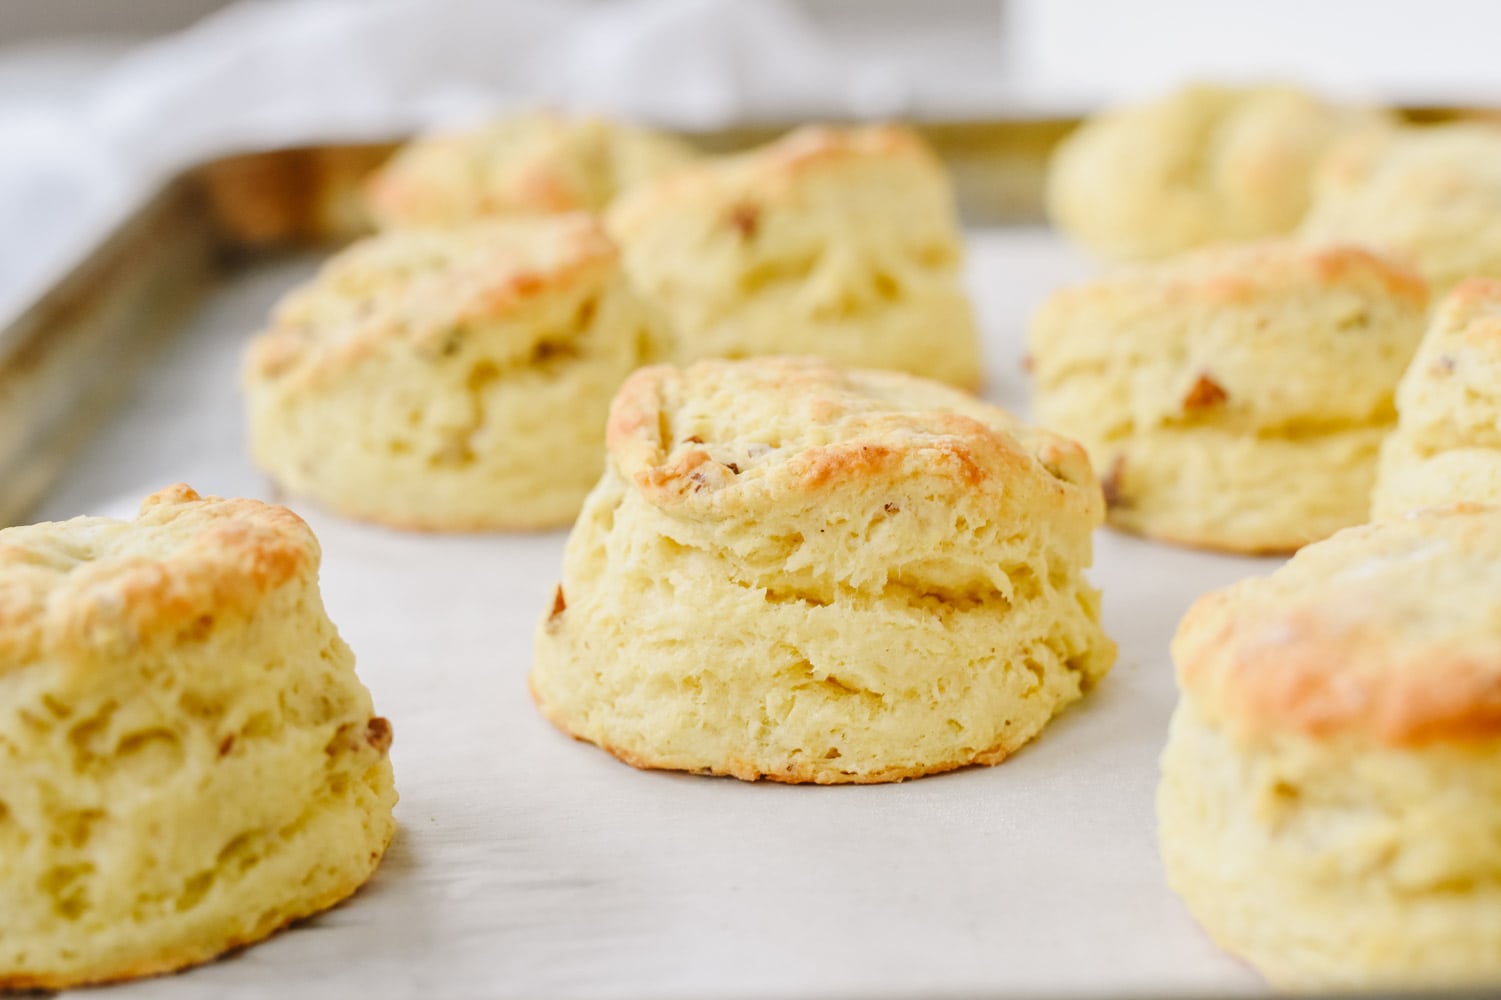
796,572
187,760
1236,397
451,380
1330,805
837,243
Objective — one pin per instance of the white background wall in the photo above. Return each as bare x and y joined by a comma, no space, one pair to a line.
1076,52
983,55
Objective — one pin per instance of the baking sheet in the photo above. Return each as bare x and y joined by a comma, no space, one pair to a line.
530,865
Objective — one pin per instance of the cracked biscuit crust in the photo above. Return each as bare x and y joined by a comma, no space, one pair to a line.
150,672
893,572
1235,397
837,242
451,379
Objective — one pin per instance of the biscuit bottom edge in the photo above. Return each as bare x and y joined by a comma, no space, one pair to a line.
187,957
749,772
760,710
1211,488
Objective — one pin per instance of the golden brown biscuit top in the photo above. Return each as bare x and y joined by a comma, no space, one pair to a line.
773,171
725,436
97,586
418,285
1248,337
532,163
1387,632
1243,272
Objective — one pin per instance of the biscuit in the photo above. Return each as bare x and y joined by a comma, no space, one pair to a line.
1330,805
1236,397
810,574
836,243
530,164
1447,445
450,380
1423,195
1205,164
189,761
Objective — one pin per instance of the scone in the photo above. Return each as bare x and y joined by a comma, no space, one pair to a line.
804,573
1330,805
1447,445
836,243
189,761
1426,195
450,380
1205,164
1236,397
530,164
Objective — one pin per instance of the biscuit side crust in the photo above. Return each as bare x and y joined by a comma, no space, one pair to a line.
184,958
1447,446
1328,863
958,657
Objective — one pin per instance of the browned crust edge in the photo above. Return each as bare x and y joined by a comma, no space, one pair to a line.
792,775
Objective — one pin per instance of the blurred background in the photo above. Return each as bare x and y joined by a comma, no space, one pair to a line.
1064,53
100,102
